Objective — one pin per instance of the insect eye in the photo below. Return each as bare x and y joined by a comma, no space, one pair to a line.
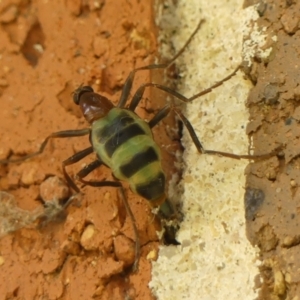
80,91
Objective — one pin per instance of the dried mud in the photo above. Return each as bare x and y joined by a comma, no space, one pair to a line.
47,49
272,197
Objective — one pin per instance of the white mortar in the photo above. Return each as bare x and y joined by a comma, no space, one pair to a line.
215,260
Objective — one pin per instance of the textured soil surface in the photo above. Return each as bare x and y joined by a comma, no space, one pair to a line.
47,50
272,197
85,250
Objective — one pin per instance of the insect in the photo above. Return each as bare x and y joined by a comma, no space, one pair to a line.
124,142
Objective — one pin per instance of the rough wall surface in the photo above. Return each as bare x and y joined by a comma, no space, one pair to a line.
215,260
47,49
273,198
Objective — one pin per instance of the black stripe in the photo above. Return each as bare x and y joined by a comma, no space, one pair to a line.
122,120
121,136
138,162
154,189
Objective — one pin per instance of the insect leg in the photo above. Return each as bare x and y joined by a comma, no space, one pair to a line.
88,169
162,113
59,134
84,172
128,83
72,160
200,148
168,108
140,91
55,209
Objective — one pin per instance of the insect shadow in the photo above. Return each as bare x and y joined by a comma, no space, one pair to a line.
124,142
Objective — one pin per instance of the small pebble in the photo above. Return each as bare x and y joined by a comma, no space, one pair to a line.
290,21
71,247
87,239
124,249
9,14
54,188
32,174
279,283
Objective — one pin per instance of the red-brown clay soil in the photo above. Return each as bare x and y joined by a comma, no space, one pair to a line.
272,197
47,50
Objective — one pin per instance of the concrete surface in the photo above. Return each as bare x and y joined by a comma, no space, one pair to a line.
215,260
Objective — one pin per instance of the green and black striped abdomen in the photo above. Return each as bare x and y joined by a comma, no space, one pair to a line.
124,143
